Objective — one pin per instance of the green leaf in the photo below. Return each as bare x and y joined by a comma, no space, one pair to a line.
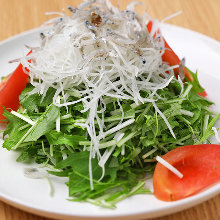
79,178
44,124
33,101
13,130
28,154
209,132
59,138
196,85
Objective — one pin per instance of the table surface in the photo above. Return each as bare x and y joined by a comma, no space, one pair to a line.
202,16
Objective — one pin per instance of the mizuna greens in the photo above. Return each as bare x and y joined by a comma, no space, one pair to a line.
128,160
102,104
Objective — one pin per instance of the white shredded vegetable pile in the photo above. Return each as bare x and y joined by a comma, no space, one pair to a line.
97,53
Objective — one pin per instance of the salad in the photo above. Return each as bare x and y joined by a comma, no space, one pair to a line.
100,100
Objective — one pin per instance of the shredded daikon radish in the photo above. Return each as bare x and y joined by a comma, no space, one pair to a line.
188,113
205,126
169,166
105,156
118,136
112,56
58,119
149,153
181,84
21,116
64,155
216,134
35,173
119,127
123,150
165,119
171,16
104,159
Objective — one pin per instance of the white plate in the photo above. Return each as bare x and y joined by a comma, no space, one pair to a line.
32,195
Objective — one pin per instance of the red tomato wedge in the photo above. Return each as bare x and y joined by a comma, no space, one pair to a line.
170,57
203,94
10,89
200,166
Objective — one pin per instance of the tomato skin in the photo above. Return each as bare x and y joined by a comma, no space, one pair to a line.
200,166
170,56
10,89
203,94
4,80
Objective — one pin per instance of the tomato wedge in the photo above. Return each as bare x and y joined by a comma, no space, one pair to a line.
10,89
203,94
200,166
170,57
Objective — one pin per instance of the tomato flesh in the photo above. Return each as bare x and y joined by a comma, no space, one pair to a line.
200,166
170,56
203,94
10,89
